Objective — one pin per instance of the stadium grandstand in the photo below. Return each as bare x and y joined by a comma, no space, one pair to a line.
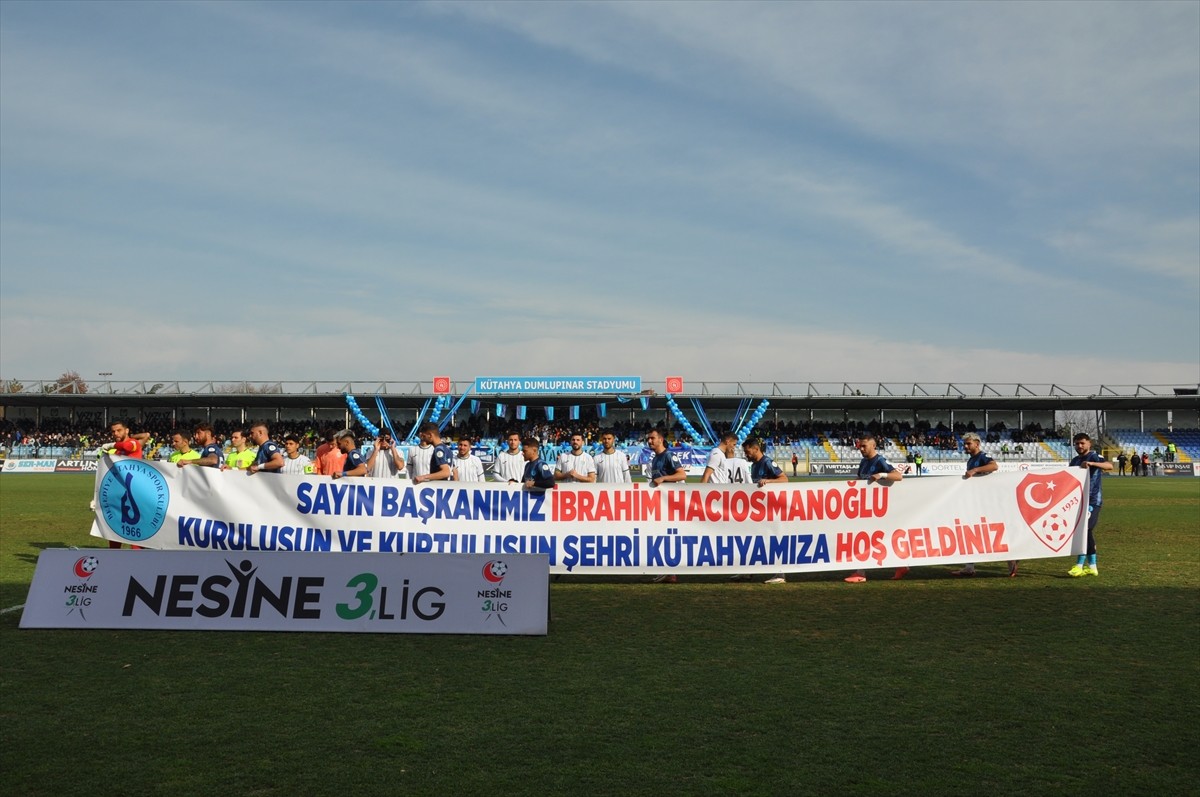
815,422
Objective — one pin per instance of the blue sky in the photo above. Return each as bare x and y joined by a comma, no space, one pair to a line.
1003,192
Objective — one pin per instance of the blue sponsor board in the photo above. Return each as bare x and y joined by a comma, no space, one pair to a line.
551,385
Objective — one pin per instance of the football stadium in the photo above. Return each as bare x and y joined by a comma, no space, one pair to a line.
721,681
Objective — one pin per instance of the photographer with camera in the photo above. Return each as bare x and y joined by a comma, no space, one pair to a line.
385,461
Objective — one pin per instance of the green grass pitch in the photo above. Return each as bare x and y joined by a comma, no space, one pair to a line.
931,685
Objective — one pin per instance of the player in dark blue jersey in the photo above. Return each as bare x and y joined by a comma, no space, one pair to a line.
270,453
207,446
1085,457
979,464
874,467
665,467
441,458
763,471
355,463
537,475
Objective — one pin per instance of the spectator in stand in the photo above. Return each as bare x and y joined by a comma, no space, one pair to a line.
1145,464
293,461
874,467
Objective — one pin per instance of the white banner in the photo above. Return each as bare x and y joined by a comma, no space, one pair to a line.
629,529
209,591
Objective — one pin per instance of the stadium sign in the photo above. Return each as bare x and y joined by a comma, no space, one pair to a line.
556,385
209,591
75,466
603,528
29,465
1177,468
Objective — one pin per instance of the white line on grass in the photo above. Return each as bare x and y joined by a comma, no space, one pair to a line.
12,609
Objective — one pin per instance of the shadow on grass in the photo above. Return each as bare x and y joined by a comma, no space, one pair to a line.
1035,686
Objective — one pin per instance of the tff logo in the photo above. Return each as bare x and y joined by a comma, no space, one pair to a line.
85,566
1050,504
495,571
674,384
441,384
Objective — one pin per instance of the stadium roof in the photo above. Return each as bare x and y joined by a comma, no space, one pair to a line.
782,395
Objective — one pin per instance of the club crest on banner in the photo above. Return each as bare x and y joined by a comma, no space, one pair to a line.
1050,505
133,499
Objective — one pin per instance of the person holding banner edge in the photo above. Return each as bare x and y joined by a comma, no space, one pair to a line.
126,445
979,464
1087,458
210,451
764,471
665,468
874,467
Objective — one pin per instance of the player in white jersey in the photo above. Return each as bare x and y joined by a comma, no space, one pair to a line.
293,461
738,469
510,464
726,467
612,466
576,465
386,461
467,467
418,459
716,471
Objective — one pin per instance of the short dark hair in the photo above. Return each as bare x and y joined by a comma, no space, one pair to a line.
728,436
1081,436
291,437
181,432
753,442
203,426
429,426
530,442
